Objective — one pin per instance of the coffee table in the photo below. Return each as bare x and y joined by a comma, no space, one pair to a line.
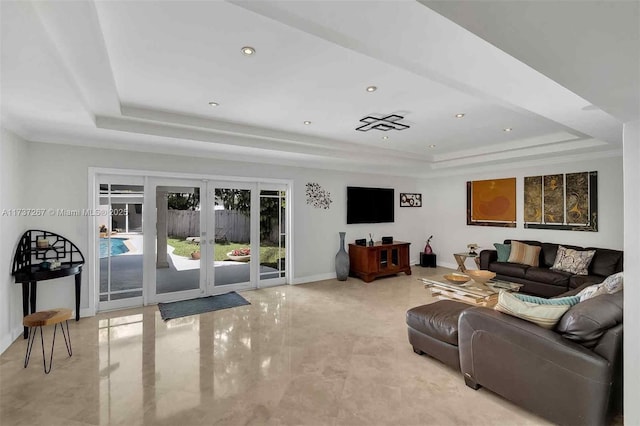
470,292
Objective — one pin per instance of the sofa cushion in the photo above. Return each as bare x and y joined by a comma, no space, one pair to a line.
545,316
576,281
438,320
606,262
548,254
587,321
573,261
509,269
524,253
545,275
503,250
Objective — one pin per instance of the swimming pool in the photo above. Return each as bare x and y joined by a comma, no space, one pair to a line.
117,247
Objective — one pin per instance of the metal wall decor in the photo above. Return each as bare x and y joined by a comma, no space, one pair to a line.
317,196
562,201
390,122
410,200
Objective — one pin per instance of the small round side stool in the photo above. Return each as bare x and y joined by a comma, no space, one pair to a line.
42,318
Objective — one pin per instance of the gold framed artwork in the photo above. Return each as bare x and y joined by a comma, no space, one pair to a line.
492,202
562,201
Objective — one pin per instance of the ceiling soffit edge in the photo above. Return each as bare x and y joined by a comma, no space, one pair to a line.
159,123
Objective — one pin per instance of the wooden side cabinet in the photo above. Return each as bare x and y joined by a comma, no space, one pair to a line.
371,262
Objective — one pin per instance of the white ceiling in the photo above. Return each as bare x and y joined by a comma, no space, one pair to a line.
138,75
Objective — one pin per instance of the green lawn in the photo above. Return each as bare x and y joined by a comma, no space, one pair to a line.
185,248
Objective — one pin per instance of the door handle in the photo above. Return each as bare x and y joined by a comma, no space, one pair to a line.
212,242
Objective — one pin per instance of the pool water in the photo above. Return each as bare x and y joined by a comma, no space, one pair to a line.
117,247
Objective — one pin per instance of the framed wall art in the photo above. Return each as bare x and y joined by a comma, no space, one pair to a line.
492,202
410,200
562,201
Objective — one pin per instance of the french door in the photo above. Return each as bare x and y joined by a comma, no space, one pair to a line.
119,234
179,239
201,237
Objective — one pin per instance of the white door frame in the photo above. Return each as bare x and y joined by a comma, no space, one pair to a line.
93,243
254,217
150,282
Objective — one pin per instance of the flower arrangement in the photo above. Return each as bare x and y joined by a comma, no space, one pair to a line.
245,251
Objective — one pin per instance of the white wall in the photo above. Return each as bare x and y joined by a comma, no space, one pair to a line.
446,202
13,166
62,184
631,273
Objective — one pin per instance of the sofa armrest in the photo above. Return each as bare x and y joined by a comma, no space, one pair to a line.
486,257
534,367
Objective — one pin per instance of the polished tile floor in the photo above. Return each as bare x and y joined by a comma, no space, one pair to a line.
326,353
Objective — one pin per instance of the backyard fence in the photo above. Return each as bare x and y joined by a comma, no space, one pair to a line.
230,225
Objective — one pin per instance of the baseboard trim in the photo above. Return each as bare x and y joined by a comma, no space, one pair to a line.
86,312
313,278
8,339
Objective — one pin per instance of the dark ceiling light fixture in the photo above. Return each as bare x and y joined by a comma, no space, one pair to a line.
390,122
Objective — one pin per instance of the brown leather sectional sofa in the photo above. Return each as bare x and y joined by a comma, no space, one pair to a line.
571,375
542,281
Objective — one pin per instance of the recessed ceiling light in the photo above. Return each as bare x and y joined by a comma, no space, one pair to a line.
248,50
432,146
213,104
459,115
307,122
508,129
385,137
371,88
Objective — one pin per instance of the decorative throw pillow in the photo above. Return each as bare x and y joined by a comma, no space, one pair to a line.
503,251
612,284
524,253
545,316
569,300
573,261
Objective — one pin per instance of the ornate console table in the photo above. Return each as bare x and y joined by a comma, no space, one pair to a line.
36,259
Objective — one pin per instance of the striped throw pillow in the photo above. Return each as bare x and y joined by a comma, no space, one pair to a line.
524,253
546,316
569,300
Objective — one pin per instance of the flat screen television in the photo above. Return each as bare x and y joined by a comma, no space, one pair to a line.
370,205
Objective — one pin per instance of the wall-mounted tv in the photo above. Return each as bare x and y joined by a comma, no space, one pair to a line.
370,205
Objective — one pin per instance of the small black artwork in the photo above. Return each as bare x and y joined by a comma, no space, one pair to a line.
410,200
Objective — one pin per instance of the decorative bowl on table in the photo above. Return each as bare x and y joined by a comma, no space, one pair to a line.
480,276
456,278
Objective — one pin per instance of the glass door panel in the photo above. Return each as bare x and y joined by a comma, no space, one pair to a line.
120,243
179,228
232,254
272,236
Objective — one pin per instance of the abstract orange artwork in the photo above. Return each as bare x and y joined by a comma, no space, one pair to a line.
492,202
